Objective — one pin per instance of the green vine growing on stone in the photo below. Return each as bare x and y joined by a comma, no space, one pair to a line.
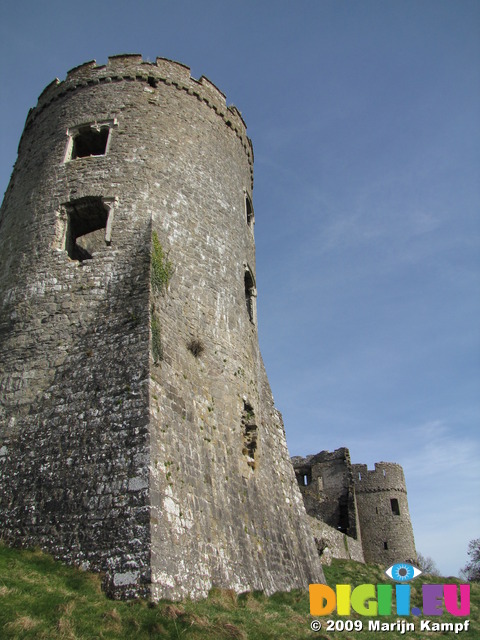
161,267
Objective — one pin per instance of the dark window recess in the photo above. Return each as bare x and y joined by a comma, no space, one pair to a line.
385,546
249,211
152,82
304,477
86,225
249,434
343,515
395,506
90,141
249,295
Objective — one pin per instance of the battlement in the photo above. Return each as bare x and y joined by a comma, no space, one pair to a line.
324,456
132,68
386,476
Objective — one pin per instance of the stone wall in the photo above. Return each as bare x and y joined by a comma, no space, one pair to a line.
332,543
138,433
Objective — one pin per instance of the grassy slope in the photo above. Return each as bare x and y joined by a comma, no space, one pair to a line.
41,598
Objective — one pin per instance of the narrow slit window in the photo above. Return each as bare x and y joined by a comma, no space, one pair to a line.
250,294
304,477
250,432
385,546
249,211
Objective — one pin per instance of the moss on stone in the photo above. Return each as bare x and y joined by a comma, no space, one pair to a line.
161,268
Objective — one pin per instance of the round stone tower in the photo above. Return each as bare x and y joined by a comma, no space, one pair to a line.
381,494
138,433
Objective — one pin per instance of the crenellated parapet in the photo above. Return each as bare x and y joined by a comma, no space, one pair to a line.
132,68
386,476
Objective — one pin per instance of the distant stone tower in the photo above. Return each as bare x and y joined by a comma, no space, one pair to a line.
387,534
138,433
369,508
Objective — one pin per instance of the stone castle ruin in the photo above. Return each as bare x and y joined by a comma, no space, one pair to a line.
356,513
138,433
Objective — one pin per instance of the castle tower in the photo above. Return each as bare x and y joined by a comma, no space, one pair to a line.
381,494
327,486
138,433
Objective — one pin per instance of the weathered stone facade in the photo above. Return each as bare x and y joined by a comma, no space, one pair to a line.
138,434
387,533
368,508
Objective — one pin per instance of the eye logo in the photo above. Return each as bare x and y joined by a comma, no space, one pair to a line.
402,572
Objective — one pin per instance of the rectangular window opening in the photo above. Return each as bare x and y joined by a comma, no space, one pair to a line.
395,506
90,142
91,139
87,220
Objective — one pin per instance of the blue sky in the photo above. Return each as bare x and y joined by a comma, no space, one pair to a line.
365,121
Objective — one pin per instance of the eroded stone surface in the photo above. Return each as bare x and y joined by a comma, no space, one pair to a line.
122,448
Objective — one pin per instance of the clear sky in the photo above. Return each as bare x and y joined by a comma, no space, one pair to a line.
365,121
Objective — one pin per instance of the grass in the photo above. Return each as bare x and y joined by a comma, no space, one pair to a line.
46,600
